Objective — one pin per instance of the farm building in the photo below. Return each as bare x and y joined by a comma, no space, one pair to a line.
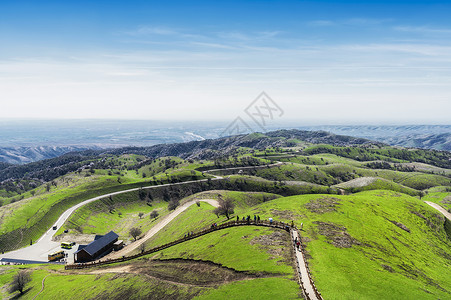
100,246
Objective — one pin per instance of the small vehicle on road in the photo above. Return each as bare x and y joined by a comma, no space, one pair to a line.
54,227
56,255
66,245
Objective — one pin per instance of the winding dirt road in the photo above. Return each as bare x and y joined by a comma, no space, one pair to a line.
440,209
45,245
157,227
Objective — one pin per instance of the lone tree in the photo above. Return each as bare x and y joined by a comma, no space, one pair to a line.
135,232
173,204
154,214
141,214
225,208
19,281
142,194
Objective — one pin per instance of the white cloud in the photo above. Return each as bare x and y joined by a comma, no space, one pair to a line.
423,30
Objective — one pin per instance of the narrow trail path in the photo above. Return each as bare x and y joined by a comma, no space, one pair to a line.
440,209
302,269
154,230
42,288
306,283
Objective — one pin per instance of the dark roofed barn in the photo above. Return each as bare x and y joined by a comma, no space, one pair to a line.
96,248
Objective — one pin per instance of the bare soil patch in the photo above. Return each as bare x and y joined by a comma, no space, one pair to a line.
184,271
285,214
77,238
336,235
323,205
400,225
276,244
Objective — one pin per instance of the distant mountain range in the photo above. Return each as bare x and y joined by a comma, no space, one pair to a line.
30,141
21,155
206,149
436,137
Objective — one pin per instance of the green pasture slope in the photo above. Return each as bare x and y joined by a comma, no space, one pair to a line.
336,173
60,284
370,245
356,244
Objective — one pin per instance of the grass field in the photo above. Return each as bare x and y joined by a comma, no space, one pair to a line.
62,285
357,244
377,243
374,183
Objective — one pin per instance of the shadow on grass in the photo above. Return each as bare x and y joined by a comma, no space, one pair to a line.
19,295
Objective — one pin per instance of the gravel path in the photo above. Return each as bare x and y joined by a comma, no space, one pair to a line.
154,230
440,209
302,269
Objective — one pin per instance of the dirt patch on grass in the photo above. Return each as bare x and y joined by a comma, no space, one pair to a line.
336,235
149,287
323,205
190,272
276,244
284,214
419,215
78,238
400,225
388,268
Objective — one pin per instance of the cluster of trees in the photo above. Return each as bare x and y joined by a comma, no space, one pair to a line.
387,166
433,157
13,187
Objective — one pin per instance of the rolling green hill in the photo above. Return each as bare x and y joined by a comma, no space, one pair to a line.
367,232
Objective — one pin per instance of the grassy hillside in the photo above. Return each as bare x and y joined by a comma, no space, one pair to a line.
361,242
381,241
374,183
355,245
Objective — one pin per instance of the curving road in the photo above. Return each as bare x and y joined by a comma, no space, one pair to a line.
440,209
41,248
154,230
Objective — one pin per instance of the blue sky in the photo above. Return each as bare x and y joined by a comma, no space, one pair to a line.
323,62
